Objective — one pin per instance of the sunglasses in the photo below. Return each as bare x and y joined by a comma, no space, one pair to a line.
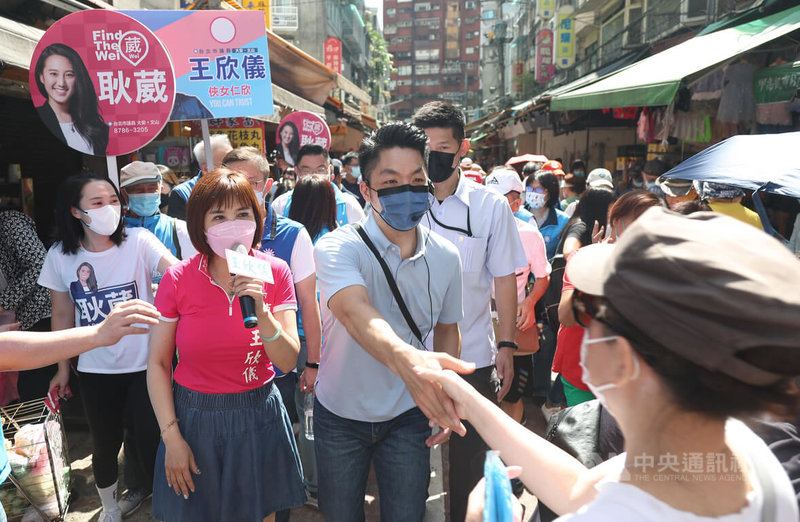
584,307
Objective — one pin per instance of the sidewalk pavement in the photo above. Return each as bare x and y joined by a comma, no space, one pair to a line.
85,504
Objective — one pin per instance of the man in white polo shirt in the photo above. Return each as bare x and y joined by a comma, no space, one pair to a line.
480,224
371,406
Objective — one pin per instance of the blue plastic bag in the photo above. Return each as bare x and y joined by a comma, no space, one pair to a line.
497,506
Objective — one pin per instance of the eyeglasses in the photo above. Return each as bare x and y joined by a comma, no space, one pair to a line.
538,190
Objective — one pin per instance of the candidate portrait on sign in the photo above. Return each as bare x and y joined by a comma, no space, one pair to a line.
71,110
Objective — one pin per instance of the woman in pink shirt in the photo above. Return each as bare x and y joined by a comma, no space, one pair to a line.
227,447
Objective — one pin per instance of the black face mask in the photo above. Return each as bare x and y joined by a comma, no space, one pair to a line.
440,165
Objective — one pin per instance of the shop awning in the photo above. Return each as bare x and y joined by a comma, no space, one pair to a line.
655,80
293,102
298,72
17,42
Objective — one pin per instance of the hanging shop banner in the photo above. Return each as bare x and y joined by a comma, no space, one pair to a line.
222,71
259,5
242,132
298,129
544,56
565,37
776,84
104,83
333,54
545,9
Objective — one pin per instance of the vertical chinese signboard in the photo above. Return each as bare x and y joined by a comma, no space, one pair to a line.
333,54
545,9
222,71
115,70
259,5
565,37
544,56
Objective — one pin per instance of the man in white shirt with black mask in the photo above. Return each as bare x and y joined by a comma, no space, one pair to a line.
479,222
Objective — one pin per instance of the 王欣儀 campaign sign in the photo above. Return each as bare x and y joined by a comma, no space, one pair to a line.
102,82
301,128
220,58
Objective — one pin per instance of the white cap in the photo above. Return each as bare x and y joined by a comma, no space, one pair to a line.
138,172
504,181
600,178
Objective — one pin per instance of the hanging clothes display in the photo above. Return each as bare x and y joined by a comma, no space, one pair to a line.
737,104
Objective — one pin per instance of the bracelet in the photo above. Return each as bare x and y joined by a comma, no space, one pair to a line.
508,344
312,365
274,337
170,424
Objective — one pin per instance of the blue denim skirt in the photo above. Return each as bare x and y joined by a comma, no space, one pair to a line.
244,446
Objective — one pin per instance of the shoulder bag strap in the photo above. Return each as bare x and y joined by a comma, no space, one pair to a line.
175,240
389,279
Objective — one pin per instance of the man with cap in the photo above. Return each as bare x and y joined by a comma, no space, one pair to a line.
676,190
727,200
140,182
597,178
507,183
691,325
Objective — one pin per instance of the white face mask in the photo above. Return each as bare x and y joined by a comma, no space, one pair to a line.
260,198
105,220
598,389
535,199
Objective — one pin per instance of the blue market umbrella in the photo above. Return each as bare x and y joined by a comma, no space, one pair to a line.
763,162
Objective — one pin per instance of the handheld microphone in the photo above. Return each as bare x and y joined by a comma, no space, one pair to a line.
246,302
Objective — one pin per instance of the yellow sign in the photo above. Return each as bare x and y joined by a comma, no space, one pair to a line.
259,5
244,137
546,9
565,37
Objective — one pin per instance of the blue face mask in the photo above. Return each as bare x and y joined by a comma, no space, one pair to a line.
404,206
356,172
144,204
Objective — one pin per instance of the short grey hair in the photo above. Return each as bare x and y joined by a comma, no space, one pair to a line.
217,140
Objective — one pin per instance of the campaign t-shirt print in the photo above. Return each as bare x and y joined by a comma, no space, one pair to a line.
93,303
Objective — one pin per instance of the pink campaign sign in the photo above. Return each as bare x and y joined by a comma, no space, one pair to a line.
298,129
104,84
545,67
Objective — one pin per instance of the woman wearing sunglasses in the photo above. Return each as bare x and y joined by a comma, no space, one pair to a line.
566,362
694,324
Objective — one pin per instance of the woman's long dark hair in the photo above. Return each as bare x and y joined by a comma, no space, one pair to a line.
314,205
92,281
294,145
83,105
593,206
70,229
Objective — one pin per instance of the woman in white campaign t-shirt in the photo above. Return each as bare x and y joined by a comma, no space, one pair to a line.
691,322
97,264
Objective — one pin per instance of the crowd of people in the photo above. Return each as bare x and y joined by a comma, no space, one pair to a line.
414,294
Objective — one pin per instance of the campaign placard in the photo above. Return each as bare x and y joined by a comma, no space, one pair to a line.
300,128
102,83
220,58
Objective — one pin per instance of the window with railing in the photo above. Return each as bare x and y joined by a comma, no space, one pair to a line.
662,17
284,17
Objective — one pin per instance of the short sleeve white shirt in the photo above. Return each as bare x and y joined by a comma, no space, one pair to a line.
116,275
617,501
480,224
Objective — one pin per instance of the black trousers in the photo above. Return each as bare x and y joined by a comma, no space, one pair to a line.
112,403
468,453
